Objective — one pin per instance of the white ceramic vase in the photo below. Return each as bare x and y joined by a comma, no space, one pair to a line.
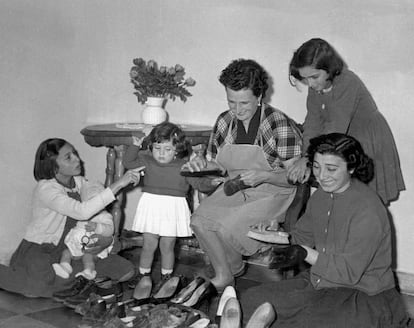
154,113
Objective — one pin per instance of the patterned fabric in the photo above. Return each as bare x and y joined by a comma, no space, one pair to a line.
278,135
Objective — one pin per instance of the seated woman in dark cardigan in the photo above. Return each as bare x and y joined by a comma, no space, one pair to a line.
56,207
345,236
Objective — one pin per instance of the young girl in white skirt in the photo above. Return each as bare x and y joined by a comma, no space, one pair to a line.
162,213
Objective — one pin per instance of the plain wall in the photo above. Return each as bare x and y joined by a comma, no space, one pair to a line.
65,64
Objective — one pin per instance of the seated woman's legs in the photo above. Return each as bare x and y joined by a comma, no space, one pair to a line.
212,244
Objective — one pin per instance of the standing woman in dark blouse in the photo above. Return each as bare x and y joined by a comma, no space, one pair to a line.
338,101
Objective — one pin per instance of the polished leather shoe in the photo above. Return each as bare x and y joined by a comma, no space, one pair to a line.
142,291
204,293
187,291
75,289
262,317
234,185
231,317
168,288
269,235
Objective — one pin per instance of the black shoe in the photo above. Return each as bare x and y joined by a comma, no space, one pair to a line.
83,296
187,291
234,185
79,283
169,287
204,293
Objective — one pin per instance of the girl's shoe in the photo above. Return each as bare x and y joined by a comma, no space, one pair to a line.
203,293
169,287
231,317
187,291
262,317
142,291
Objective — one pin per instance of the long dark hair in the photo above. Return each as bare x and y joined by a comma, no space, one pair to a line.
319,54
45,166
346,147
245,74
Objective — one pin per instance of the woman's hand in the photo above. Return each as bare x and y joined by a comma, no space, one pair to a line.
99,245
299,172
131,176
137,141
254,177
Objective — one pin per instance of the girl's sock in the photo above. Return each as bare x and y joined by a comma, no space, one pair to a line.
166,271
144,271
60,271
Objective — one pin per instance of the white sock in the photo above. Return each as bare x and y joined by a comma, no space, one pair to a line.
60,271
144,270
87,273
67,267
166,271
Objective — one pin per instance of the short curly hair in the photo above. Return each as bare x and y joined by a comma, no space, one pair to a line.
346,147
319,54
245,74
167,131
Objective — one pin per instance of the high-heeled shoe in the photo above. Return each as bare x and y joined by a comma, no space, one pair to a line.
231,317
203,293
168,289
262,317
188,291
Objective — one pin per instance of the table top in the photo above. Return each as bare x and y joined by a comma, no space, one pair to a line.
114,134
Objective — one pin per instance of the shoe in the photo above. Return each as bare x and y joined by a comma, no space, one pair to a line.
142,291
84,307
269,235
200,323
75,289
262,317
234,185
231,317
95,312
204,293
229,292
187,291
170,285
132,283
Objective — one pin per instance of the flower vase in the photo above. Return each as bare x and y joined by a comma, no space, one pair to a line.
153,112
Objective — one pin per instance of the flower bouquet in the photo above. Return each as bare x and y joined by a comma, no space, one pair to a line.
151,80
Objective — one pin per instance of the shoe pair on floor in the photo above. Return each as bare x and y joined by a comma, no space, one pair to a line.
168,286
198,291
229,313
82,288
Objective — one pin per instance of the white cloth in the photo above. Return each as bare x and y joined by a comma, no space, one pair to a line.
103,220
162,215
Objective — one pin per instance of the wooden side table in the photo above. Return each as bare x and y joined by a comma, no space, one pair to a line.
116,136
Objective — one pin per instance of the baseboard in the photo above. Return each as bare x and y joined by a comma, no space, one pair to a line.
405,282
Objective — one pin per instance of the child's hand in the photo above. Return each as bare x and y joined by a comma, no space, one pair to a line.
137,141
90,226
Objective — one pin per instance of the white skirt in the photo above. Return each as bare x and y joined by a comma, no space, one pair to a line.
162,215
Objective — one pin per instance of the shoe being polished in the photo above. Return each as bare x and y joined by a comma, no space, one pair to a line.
269,235
234,185
262,317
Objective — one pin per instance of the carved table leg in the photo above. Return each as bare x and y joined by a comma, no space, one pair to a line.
119,171
110,167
